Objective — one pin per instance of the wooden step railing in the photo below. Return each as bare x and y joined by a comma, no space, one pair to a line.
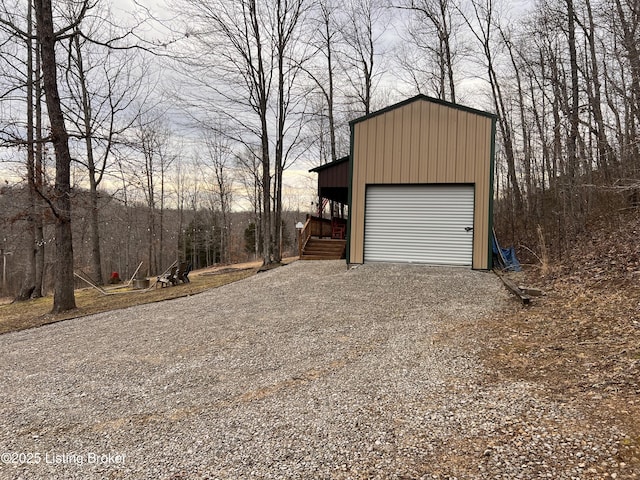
320,228
315,227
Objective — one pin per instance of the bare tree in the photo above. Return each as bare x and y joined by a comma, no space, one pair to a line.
219,161
482,24
179,185
605,158
39,179
623,76
29,283
230,41
103,84
21,85
362,35
64,298
432,32
323,74
628,21
153,141
245,56
288,18
247,169
328,35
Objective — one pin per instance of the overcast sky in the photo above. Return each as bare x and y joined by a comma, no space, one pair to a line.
297,176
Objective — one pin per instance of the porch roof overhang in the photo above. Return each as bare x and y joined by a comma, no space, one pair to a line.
333,180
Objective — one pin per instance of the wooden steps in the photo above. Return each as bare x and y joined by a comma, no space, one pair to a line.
324,249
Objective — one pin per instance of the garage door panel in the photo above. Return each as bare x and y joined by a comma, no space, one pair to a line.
419,223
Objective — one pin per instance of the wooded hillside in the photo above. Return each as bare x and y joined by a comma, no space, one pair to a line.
197,237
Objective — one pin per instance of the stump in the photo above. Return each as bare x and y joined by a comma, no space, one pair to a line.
140,283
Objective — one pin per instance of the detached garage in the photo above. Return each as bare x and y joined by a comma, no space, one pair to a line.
421,185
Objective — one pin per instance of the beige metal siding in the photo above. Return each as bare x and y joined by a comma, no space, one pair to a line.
422,143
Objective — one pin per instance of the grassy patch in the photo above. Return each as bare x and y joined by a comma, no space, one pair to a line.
34,313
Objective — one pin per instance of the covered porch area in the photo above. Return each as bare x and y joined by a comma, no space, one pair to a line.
326,238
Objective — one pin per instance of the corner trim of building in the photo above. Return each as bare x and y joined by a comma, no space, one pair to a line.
492,162
350,195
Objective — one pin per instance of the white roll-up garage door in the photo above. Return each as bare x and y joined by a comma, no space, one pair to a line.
419,223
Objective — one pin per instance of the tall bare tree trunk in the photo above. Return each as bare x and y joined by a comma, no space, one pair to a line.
96,258
630,23
262,94
523,121
484,13
63,298
574,114
360,36
331,89
279,160
606,158
39,171
28,284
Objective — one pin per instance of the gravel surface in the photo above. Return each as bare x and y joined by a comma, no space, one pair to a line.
305,371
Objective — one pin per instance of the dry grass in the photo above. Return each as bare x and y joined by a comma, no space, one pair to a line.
34,313
581,344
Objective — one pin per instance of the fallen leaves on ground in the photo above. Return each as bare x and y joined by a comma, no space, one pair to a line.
580,342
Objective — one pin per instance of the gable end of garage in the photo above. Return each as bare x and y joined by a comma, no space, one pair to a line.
420,142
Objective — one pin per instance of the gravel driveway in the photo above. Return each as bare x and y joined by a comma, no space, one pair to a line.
306,371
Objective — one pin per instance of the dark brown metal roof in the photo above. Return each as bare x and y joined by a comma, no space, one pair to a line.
330,164
422,97
333,180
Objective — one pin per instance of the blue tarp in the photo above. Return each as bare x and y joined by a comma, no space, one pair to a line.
505,258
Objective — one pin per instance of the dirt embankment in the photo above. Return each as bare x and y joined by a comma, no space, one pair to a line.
581,341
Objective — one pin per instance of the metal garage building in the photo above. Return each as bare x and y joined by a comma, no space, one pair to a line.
421,185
